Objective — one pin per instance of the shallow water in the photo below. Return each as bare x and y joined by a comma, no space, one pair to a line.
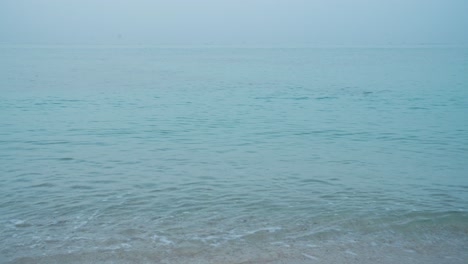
213,155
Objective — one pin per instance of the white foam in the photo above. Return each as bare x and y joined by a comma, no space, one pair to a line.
163,239
280,243
311,245
19,223
350,252
309,256
125,245
268,229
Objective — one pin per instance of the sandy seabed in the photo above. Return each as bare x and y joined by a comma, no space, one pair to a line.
427,252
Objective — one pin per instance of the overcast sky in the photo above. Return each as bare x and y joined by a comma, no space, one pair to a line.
234,22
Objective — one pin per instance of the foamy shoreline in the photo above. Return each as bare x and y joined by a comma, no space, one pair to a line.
392,251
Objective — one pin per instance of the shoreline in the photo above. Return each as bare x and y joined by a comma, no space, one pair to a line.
431,249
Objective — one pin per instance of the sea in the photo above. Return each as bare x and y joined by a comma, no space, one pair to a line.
152,154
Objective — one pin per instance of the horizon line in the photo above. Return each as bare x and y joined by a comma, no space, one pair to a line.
265,46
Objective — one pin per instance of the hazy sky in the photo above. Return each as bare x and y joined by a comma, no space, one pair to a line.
234,22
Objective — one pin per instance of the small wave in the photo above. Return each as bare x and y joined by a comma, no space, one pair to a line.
46,184
300,98
65,158
47,142
82,187
325,97
162,239
316,181
19,223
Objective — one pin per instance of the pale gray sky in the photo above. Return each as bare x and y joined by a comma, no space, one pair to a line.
234,22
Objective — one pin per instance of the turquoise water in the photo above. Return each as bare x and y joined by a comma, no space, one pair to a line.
231,155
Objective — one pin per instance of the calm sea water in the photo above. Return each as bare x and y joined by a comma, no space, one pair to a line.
225,155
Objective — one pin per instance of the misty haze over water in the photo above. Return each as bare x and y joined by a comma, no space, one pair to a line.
233,131
234,23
